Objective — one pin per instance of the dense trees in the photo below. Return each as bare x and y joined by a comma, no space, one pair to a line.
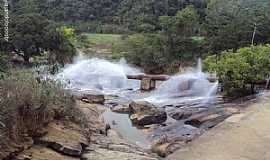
32,34
173,31
240,70
28,32
198,29
178,41
139,15
60,43
145,13
230,23
146,51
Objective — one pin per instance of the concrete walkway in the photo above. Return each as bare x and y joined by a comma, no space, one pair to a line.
245,136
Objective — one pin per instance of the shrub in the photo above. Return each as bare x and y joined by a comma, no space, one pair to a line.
27,104
239,71
62,44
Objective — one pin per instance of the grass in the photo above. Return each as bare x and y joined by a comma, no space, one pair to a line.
102,38
98,45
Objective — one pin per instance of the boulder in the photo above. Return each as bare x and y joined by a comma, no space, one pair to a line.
183,113
149,118
140,106
163,150
207,119
144,113
121,108
65,140
180,115
90,97
166,146
75,150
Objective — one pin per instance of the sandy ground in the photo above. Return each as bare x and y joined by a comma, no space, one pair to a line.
245,136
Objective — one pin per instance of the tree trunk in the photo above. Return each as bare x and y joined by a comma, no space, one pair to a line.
252,88
26,58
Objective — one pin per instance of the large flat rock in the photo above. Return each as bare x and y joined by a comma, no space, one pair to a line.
43,153
144,113
114,147
105,154
240,137
65,139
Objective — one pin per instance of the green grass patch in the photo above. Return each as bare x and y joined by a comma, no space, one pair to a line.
102,38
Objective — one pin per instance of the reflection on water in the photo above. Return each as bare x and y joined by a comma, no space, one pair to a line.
122,124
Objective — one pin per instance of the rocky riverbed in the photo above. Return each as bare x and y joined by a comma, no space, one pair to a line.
243,136
153,131
66,140
171,127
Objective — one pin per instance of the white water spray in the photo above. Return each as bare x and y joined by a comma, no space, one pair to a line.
199,65
98,74
110,78
192,85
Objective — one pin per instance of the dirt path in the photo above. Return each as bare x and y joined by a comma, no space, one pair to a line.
244,136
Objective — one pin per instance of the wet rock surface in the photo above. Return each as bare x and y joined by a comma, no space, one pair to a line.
180,122
110,144
182,113
186,123
121,108
169,128
172,137
144,113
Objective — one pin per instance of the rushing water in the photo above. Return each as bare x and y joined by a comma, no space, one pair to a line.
192,85
110,78
99,74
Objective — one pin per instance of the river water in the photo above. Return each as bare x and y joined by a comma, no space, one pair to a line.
110,79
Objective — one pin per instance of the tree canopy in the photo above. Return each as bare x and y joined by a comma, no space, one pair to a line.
242,68
230,23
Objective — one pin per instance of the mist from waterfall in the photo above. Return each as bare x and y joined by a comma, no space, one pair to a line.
110,78
98,74
191,85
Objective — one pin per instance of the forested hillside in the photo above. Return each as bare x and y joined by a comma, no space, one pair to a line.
139,15
159,36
